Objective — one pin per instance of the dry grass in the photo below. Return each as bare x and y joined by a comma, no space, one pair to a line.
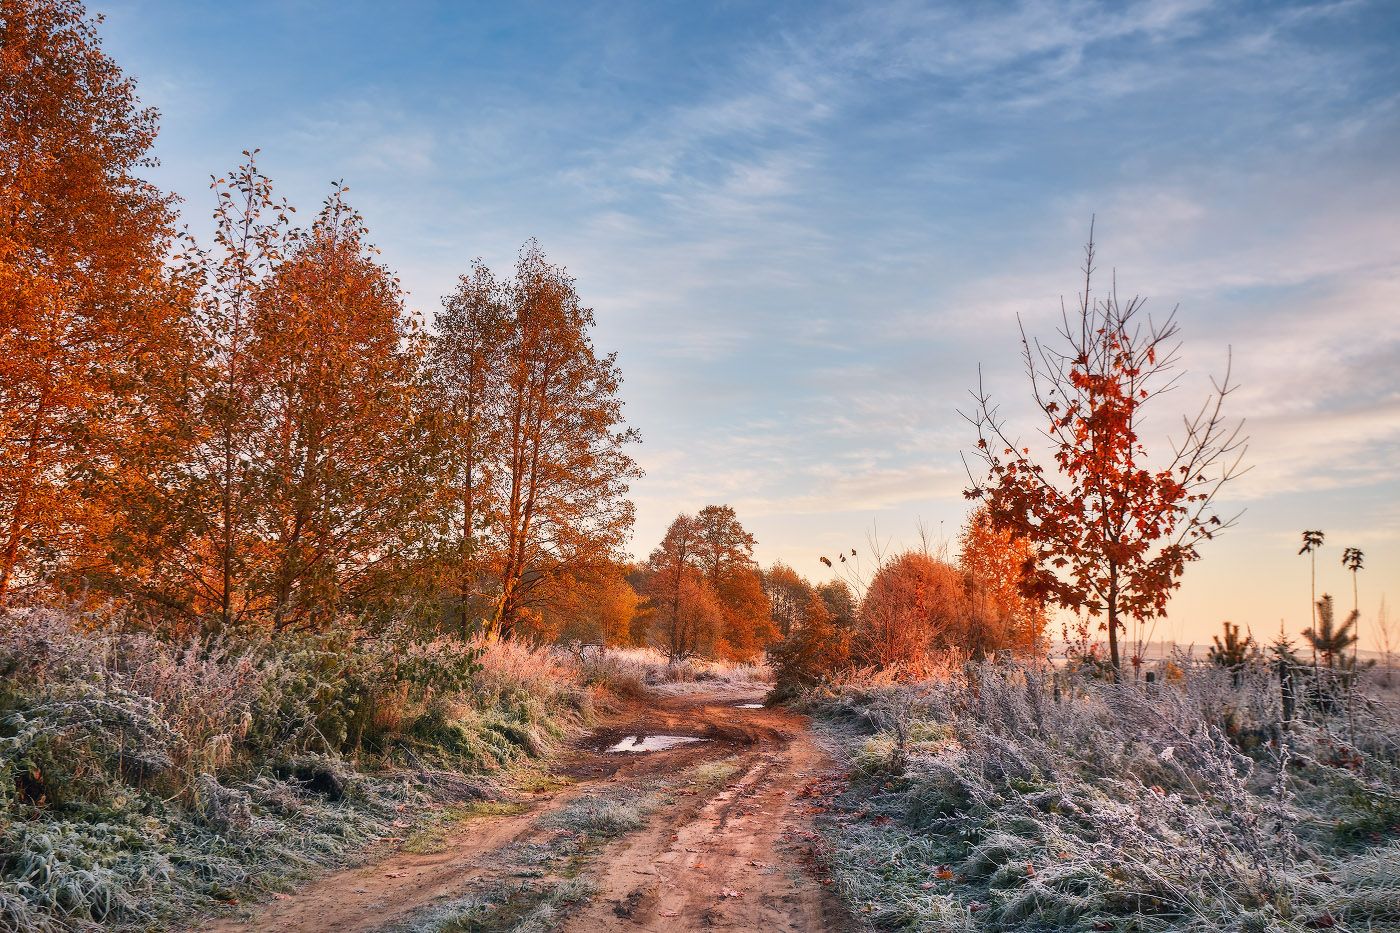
143,779
989,802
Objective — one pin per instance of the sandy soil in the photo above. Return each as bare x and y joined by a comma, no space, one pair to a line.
733,858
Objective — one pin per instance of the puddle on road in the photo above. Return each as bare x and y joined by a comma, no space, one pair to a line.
652,743
749,706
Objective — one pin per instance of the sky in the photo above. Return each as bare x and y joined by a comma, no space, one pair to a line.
803,227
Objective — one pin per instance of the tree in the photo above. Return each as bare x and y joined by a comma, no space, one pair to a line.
724,544
1328,639
1231,653
1312,541
814,649
190,541
335,457
724,554
687,616
840,603
1112,528
748,616
88,312
790,597
463,394
560,493
1000,614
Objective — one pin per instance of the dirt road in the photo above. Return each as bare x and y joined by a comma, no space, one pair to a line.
724,844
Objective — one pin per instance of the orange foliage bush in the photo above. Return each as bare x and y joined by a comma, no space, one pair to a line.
1001,616
915,605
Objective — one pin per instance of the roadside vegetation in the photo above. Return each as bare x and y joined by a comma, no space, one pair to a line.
1020,796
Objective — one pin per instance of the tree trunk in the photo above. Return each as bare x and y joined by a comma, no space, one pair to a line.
1113,623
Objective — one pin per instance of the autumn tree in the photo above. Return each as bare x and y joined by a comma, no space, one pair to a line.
1113,527
790,597
594,605
686,615
813,645
463,395
560,492
815,649
1000,615
191,543
335,456
840,603
87,310
724,555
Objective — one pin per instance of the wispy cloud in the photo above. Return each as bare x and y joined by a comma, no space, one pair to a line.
804,225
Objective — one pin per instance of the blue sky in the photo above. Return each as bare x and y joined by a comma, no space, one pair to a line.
804,225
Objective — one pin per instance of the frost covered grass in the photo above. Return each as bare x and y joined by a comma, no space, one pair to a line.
649,668
510,906
998,799
143,778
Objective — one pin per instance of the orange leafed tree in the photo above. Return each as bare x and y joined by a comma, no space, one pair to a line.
724,553
191,544
1000,613
686,616
559,498
462,395
1112,526
335,452
815,623
594,606
915,606
86,308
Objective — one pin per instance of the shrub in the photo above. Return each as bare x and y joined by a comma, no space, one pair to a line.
915,605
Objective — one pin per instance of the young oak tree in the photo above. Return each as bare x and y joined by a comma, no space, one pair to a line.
87,310
1112,526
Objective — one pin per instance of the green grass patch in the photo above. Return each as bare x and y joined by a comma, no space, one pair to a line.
433,836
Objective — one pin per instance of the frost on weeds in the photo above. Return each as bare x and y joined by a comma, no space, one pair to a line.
983,803
143,779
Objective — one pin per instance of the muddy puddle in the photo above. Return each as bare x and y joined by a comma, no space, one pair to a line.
749,706
652,743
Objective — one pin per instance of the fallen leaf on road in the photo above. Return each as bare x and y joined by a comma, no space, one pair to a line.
730,892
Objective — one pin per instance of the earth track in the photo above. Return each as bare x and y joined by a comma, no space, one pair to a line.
734,856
